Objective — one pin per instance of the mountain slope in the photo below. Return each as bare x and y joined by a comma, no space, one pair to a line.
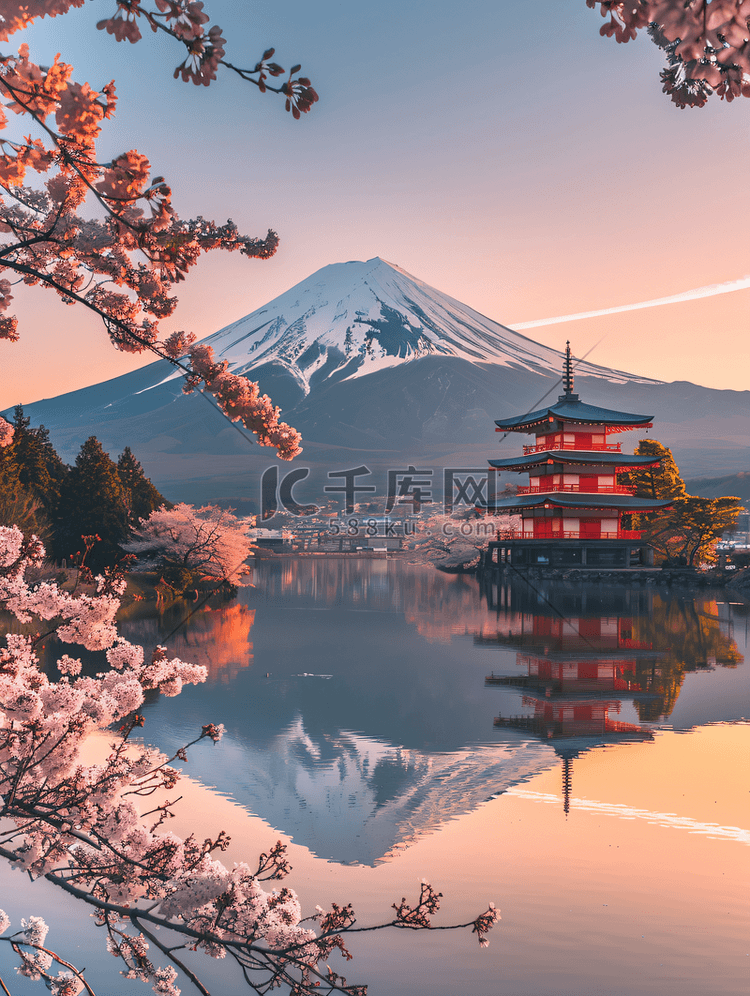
374,367
350,319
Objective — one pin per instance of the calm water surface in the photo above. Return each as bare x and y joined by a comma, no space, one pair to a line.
579,755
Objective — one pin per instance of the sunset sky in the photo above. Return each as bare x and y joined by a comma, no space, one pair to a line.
502,152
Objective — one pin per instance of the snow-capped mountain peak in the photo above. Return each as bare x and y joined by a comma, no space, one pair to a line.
350,319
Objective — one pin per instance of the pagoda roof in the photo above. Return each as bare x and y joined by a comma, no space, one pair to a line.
603,458
573,649
569,408
576,733
563,499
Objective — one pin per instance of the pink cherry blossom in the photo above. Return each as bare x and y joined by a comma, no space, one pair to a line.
208,541
6,432
123,264
79,824
96,830
707,43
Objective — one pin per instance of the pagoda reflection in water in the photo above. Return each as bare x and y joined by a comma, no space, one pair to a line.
577,671
589,653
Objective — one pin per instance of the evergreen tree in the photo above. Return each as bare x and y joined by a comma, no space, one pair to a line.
21,422
9,482
19,505
14,500
92,502
663,481
40,470
141,495
687,531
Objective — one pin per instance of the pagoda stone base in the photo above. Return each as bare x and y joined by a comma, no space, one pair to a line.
586,554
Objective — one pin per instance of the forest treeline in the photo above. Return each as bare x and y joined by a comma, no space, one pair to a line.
61,504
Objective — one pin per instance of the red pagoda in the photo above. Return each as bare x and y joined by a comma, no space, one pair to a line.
572,508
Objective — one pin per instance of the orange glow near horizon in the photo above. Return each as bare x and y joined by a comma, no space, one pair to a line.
622,884
513,207
666,343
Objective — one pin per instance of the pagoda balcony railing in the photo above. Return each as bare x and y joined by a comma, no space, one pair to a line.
516,534
604,489
605,447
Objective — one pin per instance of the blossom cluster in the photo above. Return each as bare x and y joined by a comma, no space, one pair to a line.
707,43
208,541
35,959
6,432
79,822
241,401
96,830
125,263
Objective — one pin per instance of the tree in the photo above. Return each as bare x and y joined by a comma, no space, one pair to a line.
93,502
34,480
689,528
17,505
123,263
20,502
707,43
685,635
40,469
189,544
78,825
659,480
141,495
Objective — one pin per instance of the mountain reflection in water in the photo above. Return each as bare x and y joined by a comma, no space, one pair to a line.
359,716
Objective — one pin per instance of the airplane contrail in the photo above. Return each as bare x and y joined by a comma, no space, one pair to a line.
739,834
711,290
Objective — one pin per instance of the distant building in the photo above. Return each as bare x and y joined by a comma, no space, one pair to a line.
572,508
274,538
739,536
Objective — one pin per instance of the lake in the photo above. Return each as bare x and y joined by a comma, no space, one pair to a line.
578,755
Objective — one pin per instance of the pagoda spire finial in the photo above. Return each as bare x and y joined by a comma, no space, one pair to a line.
567,782
568,370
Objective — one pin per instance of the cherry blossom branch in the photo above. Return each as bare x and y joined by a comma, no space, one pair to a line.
205,49
35,968
333,925
707,43
182,20
169,952
128,912
62,252
63,147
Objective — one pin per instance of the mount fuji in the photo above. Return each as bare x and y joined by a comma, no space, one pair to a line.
374,367
349,320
